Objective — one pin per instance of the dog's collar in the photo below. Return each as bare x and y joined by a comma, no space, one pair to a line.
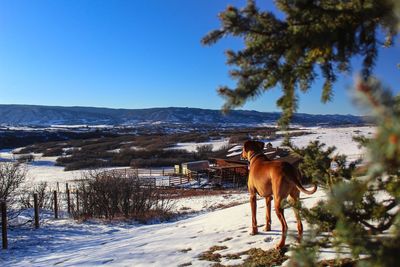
254,156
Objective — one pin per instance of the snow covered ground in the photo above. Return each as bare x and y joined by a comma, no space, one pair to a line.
192,146
66,242
341,138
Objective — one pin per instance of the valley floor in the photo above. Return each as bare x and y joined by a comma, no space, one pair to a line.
66,242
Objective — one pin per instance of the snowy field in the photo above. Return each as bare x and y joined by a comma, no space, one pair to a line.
67,243
341,138
44,169
222,220
192,146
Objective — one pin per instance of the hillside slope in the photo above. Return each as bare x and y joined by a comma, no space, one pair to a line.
66,243
51,115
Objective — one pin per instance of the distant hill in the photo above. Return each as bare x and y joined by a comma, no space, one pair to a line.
31,115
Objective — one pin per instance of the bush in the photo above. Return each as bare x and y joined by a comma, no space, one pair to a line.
112,194
204,149
45,196
12,176
86,164
238,138
53,152
25,158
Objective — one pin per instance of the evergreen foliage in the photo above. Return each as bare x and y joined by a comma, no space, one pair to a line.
287,52
320,165
360,214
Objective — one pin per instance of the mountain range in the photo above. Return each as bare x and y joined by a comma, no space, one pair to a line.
32,115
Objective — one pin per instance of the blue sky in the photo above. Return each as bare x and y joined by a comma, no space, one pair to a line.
133,54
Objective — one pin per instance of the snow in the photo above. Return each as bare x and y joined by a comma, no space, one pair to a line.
6,155
66,242
341,138
232,154
192,146
210,202
235,148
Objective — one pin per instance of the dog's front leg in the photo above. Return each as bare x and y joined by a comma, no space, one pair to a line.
253,204
268,213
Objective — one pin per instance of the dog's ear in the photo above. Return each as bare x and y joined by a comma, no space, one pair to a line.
260,145
246,145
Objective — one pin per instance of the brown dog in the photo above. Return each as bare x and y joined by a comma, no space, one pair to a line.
274,178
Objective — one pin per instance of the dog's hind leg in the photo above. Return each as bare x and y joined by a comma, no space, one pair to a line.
295,202
268,213
281,217
253,204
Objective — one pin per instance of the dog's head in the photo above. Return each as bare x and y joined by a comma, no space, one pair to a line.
252,146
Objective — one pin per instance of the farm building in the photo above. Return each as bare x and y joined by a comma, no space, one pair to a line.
194,166
231,171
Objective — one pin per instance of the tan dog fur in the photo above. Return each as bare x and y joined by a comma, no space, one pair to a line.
277,179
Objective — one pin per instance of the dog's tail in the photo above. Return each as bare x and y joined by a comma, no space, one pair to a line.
302,189
300,186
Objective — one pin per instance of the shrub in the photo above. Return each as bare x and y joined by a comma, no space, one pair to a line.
25,158
112,194
204,149
238,138
12,176
45,196
52,152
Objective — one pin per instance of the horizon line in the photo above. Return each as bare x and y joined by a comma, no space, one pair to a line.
166,107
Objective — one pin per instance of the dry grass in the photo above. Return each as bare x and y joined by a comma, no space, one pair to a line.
216,248
256,257
259,257
185,250
347,262
221,206
210,254
226,239
265,258
232,256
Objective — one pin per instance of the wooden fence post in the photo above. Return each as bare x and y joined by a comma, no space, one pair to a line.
55,205
36,208
77,200
68,198
68,202
4,224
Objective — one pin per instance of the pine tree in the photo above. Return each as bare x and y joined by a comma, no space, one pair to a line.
286,53
360,214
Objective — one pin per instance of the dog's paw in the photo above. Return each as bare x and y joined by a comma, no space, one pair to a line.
279,246
267,228
254,231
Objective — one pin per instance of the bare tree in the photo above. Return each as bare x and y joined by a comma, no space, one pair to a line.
12,176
